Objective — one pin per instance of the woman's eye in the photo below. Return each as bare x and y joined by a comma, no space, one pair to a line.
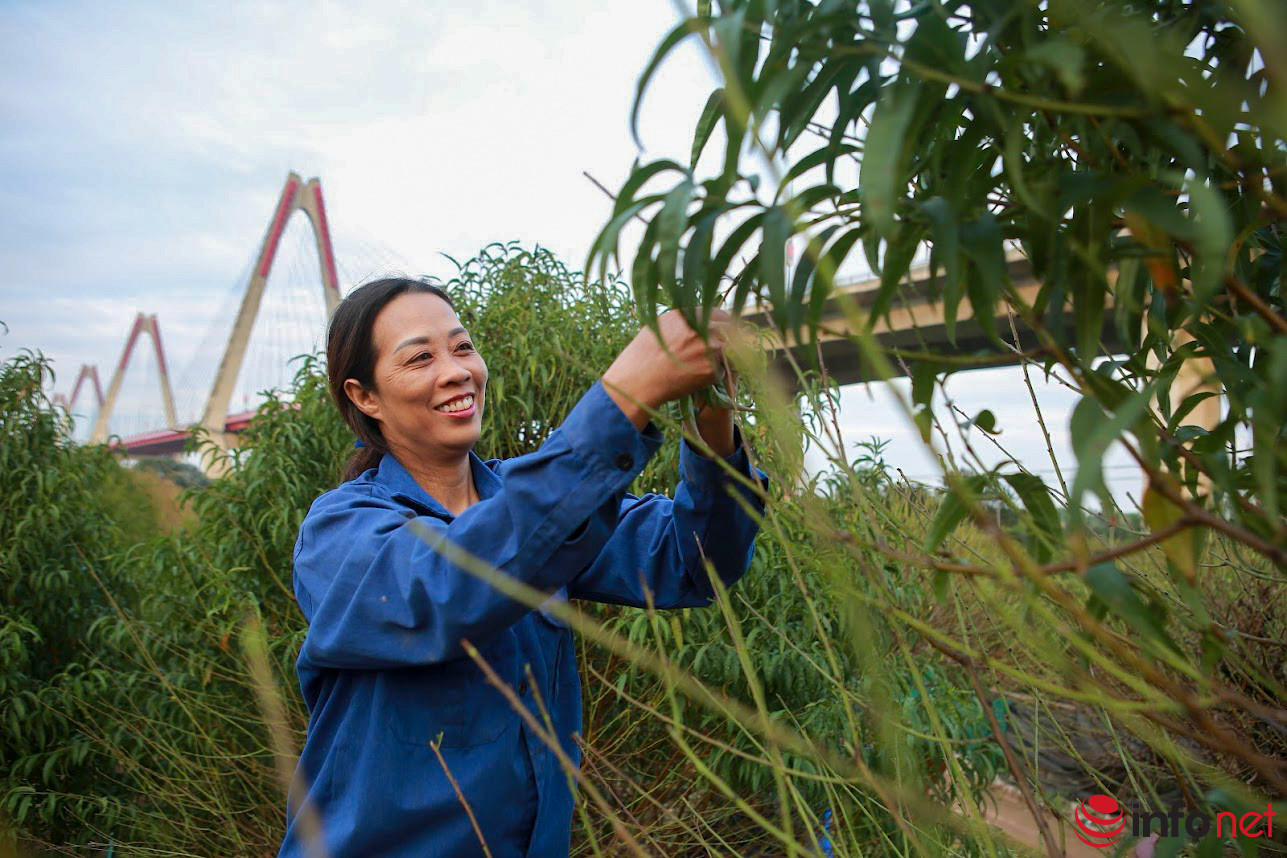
420,356
467,345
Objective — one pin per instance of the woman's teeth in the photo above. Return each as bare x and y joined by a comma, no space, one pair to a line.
457,405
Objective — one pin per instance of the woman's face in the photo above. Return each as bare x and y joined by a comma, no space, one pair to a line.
426,368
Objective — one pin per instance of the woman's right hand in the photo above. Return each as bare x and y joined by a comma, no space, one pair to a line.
644,376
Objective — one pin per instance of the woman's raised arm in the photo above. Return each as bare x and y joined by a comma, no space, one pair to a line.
657,547
377,595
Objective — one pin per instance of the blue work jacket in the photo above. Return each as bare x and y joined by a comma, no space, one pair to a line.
382,667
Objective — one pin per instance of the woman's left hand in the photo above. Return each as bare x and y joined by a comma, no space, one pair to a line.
714,423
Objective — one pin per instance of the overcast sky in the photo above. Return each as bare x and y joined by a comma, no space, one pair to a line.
144,146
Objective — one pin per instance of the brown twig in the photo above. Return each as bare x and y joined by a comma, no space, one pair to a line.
611,195
1025,791
928,561
1245,293
460,795
552,742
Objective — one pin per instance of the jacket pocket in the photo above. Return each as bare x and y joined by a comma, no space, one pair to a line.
452,710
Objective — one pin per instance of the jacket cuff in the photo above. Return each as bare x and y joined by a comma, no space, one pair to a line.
599,431
704,476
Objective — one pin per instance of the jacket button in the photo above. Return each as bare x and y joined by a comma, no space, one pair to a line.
522,688
625,461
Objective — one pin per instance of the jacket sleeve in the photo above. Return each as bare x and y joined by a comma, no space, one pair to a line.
377,595
659,543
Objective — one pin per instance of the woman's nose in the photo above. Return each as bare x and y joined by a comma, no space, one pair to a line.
458,370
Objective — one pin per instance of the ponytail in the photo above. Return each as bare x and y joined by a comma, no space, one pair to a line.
362,459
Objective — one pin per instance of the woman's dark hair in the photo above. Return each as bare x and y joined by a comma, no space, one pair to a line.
350,353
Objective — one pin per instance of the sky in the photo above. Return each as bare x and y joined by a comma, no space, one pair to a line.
143,146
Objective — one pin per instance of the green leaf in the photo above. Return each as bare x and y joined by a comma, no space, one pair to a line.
724,258
638,177
1212,235
672,220
1128,299
1064,58
1114,590
851,107
697,257
1088,315
1093,430
882,171
606,245
924,374
936,44
834,259
777,229
946,250
803,276
677,34
1034,494
899,252
706,124
643,279
951,512
984,421
800,107
982,242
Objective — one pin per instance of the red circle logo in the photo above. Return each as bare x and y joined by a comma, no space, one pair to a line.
1099,821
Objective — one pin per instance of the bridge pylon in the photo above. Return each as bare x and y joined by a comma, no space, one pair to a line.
297,195
143,324
88,371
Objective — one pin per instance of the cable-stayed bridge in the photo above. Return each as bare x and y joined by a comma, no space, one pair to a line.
146,411
260,329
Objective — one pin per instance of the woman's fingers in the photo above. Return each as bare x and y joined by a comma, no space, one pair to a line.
694,361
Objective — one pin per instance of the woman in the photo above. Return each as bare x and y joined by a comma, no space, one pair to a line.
395,703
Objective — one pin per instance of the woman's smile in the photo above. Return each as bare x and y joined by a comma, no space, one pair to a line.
459,408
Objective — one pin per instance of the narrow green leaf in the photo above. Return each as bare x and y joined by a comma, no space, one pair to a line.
671,220
637,178
951,512
1034,494
882,172
697,257
1114,590
946,250
1093,430
982,242
899,251
1212,235
924,375
644,275
734,243
800,282
777,229
706,124
676,35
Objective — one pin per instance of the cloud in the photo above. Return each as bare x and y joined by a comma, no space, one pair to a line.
143,147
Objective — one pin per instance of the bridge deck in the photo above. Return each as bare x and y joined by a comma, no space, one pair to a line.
168,442
915,324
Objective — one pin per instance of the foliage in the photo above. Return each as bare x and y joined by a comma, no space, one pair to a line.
893,648
59,530
1104,180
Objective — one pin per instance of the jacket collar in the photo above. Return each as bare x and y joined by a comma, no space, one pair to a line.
397,480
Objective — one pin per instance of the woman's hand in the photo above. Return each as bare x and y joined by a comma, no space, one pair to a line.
714,422
645,377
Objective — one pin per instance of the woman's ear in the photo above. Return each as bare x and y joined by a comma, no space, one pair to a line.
364,399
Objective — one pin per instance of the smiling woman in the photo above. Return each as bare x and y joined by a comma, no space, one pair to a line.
410,751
